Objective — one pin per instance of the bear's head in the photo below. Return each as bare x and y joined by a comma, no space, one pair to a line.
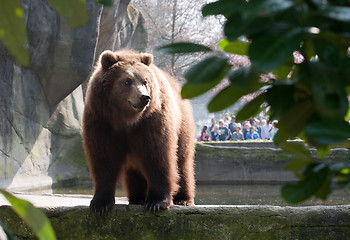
129,82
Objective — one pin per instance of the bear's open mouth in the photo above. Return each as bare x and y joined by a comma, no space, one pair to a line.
138,107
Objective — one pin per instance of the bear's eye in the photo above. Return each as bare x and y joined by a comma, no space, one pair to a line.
127,82
145,81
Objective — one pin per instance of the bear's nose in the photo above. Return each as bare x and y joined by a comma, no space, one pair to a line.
145,99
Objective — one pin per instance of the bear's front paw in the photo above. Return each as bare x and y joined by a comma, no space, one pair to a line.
101,204
157,206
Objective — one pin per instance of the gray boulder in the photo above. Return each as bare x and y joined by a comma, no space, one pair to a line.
121,26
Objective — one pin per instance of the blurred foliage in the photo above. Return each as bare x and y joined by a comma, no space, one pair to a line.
305,45
32,216
12,30
12,24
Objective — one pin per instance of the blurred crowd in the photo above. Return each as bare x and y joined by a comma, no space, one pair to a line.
227,129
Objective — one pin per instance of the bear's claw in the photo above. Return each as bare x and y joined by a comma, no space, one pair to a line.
101,205
157,206
184,203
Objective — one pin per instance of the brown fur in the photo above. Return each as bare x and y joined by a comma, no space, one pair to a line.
150,143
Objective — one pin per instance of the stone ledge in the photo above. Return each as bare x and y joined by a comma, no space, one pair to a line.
215,164
199,222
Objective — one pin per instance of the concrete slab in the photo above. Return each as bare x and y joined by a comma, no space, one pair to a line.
56,200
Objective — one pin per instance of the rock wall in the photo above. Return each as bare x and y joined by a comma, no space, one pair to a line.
121,26
41,106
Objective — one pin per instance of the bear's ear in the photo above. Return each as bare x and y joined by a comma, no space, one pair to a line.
147,58
108,58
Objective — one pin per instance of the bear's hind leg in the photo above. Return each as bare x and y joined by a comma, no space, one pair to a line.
158,198
136,186
185,153
162,179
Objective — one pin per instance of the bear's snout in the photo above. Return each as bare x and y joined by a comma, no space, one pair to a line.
145,99
140,105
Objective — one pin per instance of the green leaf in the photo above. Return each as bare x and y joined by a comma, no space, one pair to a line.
224,99
309,47
296,148
327,131
183,47
105,2
323,151
265,8
298,164
330,48
236,47
311,184
32,216
246,78
13,31
253,18
280,97
191,91
251,109
345,171
329,96
283,71
235,27
224,7
73,10
243,81
293,121
271,50
324,190
209,70
337,13
347,115
204,76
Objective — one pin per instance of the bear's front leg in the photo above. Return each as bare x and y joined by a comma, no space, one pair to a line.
105,175
105,154
102,201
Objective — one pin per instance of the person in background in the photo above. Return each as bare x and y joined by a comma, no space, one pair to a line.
237,135
232,125
274,129
224,132
246,127
204,135
252,134
258,127
265,130
227,118
213,122
215,133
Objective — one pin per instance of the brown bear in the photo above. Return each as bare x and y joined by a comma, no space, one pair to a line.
136,125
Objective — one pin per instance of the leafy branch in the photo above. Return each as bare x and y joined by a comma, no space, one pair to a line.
308,96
